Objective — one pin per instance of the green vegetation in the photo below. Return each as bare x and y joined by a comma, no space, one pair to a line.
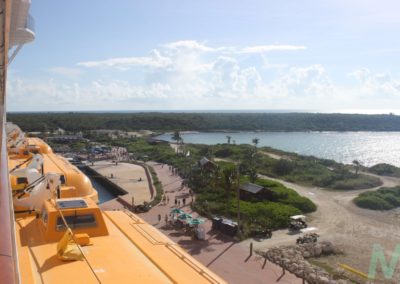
300,169
272,212
385,170
295,168
385,198
157,184
205,121
216,188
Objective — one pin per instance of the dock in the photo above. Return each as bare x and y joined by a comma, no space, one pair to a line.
130,179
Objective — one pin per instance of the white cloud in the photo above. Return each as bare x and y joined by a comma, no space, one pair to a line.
190,45
189,74
380,85
188,50
155,60
268,48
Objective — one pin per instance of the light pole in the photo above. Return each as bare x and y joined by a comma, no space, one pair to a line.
238,198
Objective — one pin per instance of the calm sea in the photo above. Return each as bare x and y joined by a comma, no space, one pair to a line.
367,147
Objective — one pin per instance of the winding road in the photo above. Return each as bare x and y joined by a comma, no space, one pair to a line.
352,229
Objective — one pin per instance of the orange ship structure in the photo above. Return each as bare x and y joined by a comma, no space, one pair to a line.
61,235
29,158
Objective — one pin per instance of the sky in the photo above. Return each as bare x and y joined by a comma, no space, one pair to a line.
328,56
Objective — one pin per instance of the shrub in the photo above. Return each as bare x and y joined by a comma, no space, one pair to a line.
283,167
385,170
359,181
382,199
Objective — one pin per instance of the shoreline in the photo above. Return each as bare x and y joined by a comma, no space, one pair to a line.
341,147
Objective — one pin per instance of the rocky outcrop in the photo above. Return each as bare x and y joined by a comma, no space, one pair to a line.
293,258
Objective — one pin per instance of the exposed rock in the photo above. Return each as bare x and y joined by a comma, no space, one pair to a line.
293,259
323,280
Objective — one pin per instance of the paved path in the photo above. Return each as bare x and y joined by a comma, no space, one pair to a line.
220,253
130,177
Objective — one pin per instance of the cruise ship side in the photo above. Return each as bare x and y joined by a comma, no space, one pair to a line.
52,229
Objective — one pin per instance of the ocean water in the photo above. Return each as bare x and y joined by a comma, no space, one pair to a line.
367,147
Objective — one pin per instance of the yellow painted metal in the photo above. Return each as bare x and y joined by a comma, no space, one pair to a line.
353,270
123,248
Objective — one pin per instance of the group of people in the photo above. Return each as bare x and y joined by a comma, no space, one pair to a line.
178,201
120,153
175,171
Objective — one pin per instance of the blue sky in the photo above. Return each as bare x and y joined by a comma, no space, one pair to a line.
171,55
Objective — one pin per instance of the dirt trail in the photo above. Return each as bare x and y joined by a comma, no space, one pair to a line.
272,155
354,229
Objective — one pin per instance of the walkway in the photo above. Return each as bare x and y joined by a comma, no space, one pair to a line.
220,253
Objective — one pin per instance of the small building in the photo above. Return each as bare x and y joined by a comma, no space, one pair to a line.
253,191
206,164
59,131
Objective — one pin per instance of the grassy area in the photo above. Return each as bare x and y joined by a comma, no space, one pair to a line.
212,196
385,170
332,271
272,211
385,198
306,170
216,194
158,186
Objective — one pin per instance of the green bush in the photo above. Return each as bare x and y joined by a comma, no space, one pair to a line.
359,181
385,170
283,167
284,195
382,199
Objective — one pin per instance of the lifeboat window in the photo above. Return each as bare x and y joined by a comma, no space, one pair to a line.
76,221
62,179
22,180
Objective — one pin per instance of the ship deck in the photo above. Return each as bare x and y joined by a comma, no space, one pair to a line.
133,251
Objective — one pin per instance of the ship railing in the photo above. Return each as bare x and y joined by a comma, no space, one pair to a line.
30,23
192,264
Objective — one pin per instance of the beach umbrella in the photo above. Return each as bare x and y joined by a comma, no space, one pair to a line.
176,211
184,216
196,221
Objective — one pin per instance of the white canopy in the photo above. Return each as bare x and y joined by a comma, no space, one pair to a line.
298,217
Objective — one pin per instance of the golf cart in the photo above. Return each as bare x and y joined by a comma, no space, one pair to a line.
308,236
297,222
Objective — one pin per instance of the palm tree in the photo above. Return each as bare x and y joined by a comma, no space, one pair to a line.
230,181
177,137
357,164
255,141
229,176
229,139
253,174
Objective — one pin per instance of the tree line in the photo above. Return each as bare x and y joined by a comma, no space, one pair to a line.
158,121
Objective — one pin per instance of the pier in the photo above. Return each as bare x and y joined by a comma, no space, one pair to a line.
130,182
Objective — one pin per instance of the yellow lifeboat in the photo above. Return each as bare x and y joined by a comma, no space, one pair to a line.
73,182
